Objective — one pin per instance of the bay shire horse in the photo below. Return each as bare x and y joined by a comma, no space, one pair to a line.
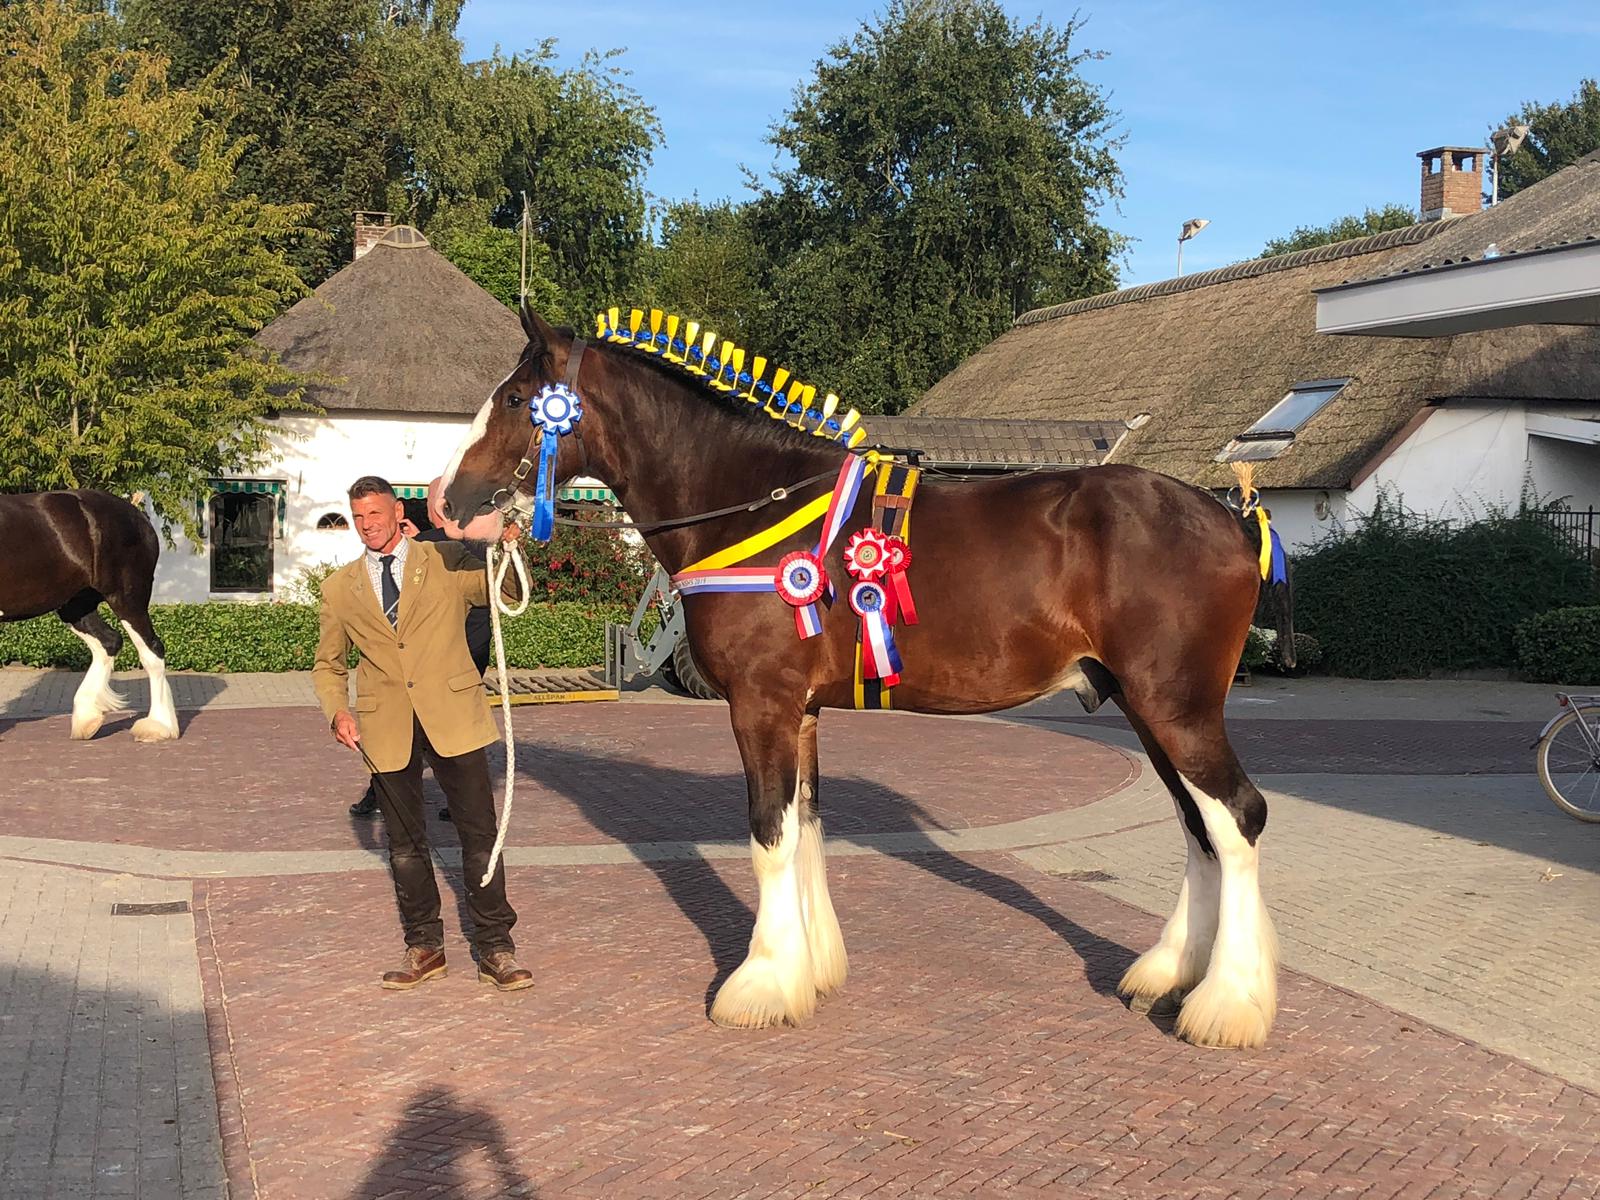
1112,582
65,552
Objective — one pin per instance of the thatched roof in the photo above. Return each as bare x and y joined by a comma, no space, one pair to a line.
1562,209
1207,355
401,330
979,443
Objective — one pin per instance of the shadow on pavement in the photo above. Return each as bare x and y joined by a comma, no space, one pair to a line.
433,1149
722,918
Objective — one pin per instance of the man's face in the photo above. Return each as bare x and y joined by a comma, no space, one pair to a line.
435,496
377,521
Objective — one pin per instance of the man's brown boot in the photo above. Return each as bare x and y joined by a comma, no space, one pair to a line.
421,964
500,968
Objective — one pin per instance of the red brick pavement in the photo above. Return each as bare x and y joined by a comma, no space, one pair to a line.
1271,745
975,1050
272,779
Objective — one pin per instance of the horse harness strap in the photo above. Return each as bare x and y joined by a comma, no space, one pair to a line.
891,514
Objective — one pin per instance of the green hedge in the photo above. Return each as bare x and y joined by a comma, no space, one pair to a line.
1261,651
283,637
1401,596
1561,646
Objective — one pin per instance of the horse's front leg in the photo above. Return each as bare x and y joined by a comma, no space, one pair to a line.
829,963
777,980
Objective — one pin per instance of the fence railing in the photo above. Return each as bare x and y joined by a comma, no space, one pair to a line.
1580,526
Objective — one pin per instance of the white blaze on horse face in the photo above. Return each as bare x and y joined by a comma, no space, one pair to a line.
95,696
1235,1003
775,983
162,723
475,434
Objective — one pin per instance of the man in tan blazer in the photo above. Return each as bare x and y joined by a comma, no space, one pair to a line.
419,697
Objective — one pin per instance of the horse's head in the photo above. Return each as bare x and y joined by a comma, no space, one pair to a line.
481,475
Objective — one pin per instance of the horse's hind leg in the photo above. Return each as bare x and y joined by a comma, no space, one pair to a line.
1235,1002
162,723
829,963
776,982
1178,960
95,696
132,607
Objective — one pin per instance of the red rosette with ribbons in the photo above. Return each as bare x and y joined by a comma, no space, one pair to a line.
800,581
879,657
898,586
866,554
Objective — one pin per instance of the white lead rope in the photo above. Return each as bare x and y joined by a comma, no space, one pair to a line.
497,605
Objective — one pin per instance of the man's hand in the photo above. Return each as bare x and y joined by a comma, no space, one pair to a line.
345,730
511,532
408,527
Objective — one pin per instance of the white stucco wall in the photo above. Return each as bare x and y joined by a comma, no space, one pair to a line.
318,458
1461,458
1470,455
1304,517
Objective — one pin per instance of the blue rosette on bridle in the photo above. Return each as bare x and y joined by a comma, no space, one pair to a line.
555,411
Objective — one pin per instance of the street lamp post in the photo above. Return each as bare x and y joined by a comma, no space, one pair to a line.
1505,141
1190,227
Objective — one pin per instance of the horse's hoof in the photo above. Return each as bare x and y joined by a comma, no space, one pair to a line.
1224,1018
753,998
84,728
1157,973
148,729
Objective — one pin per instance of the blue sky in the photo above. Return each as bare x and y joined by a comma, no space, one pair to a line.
1257,116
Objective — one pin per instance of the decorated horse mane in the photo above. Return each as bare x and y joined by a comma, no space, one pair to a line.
720,366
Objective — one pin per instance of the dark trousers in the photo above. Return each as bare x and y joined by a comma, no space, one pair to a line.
465,780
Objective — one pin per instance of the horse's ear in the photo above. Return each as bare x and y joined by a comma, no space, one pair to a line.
542,336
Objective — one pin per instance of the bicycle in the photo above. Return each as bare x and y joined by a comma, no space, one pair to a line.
1568,756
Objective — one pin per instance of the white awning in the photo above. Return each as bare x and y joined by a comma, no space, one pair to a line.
1558,286
1564,429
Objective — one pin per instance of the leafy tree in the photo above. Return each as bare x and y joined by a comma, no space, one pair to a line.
477,136
306,93
707,265
950,166
130,281
1559,135
584,170
353,104
492,258
1373,220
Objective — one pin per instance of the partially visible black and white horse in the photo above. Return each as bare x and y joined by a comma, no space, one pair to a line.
65,552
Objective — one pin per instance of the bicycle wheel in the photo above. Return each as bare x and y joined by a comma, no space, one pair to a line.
1569,765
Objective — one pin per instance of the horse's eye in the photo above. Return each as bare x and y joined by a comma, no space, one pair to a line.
515,401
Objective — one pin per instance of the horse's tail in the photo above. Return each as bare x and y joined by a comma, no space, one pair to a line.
1276,595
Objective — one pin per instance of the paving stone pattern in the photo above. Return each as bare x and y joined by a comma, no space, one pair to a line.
975,1050
105,1074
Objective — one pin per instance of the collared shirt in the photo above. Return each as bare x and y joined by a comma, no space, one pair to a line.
397,569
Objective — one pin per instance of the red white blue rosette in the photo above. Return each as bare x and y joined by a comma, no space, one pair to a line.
901,607
800,581
866,554
879,658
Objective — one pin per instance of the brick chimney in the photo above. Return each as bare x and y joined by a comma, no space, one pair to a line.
1452,181
370,226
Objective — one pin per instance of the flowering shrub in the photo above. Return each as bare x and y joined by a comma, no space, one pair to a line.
592,566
